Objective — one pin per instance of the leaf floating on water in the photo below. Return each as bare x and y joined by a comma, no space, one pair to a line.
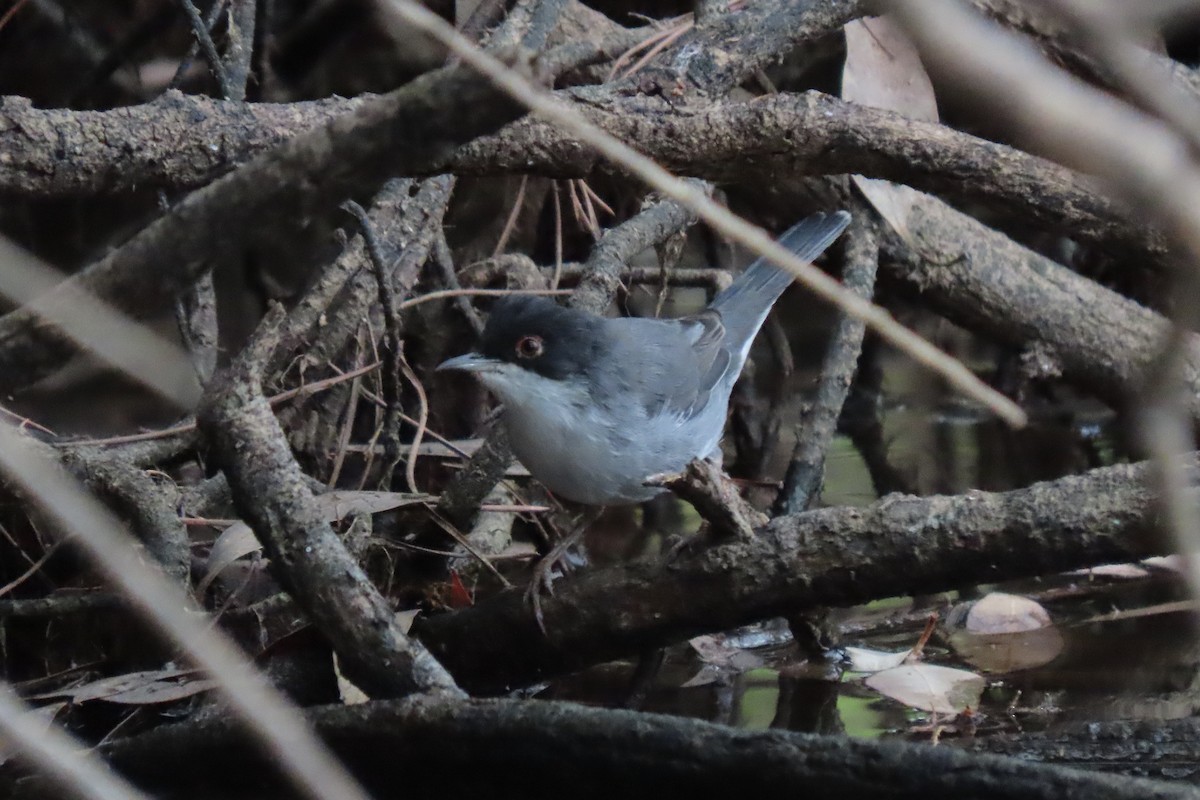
1126,571
928,687
999,612
715,651
1008,652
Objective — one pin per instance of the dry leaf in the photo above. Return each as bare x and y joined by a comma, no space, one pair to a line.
234,542
137,688
884,70
405,619
707,674
999,612
864,660
351,695
238,540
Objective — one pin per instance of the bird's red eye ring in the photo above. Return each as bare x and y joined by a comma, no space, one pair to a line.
529,347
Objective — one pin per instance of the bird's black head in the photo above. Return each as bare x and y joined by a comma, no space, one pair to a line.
541,336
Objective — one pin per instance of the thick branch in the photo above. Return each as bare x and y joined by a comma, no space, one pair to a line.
785,135
345,156
469,748
988,283
168,143
723,50
271,494
829,557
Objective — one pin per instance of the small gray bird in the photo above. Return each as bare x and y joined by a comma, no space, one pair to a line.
594,405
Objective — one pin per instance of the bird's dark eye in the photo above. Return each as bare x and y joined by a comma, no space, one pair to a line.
529,347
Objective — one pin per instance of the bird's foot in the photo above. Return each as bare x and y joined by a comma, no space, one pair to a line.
547,570
688,544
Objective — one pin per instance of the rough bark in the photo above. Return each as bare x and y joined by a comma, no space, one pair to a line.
983,280
424,746
829,557
345,156
169,143
271,494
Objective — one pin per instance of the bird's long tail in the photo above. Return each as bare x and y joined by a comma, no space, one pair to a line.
745,304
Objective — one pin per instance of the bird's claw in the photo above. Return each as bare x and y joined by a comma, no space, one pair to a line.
543,581
544,573
686,545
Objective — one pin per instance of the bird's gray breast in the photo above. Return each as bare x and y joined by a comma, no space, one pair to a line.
600,449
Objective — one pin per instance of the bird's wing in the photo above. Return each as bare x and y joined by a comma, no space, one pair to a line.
672,365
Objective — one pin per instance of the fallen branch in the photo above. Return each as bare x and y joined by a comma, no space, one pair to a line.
774,137
469,748
344,156
984,281
307,557
829,557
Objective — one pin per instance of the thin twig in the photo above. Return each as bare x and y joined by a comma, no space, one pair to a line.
597,199
12,12
33,568
347,423
306,389
185,63
670,37
444,260
558,235
453,533
442,294
410,469
649,41
510,224
576,206
394,367
215,64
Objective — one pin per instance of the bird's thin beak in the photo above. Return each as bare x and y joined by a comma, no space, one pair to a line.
468,362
